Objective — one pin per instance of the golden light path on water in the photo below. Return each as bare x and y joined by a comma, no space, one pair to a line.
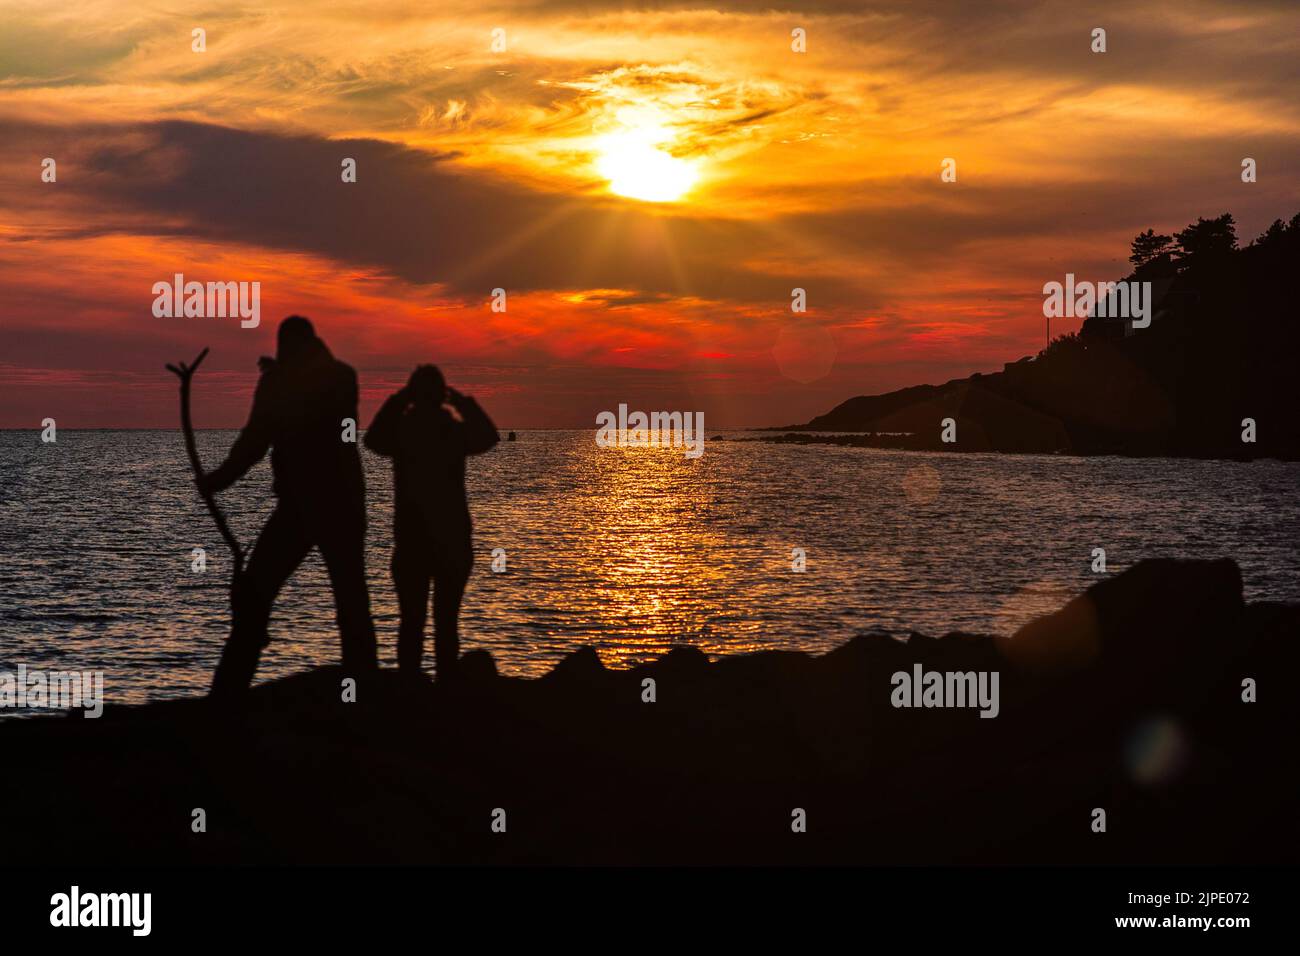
643,552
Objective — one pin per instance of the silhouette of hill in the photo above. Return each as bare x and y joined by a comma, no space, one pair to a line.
1128,699
1221,347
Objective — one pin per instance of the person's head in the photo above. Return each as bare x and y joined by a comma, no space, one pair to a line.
427,385
294,338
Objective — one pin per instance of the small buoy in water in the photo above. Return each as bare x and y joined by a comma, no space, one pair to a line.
510,437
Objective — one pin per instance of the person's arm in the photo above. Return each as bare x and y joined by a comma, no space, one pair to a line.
382,435
249,448
480,432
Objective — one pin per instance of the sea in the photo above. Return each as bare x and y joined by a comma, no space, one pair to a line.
752,546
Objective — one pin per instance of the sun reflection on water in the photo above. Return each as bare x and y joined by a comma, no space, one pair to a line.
650,551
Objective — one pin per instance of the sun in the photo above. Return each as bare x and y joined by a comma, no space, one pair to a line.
638,167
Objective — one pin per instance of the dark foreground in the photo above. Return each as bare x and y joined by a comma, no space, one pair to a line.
1129,699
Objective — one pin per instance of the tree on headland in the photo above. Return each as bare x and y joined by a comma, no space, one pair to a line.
1147,247
1206,239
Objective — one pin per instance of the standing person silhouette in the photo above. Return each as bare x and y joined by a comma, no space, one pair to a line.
302,398
431,522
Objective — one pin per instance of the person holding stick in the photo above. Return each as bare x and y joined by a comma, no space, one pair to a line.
299,408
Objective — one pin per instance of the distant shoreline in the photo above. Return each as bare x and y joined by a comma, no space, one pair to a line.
914,442
802,435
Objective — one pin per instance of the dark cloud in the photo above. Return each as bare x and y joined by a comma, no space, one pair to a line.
425,219
411,213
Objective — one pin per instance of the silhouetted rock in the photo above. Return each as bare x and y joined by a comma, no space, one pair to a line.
476,667
583,666
1130,698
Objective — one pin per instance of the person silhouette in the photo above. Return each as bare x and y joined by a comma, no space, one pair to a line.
298,412
431,523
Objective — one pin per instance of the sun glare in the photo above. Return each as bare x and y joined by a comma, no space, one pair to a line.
637,166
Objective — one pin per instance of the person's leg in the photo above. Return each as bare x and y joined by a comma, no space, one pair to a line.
448,589
411,580
279,550
345,559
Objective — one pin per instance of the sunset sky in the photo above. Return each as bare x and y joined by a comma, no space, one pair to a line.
648,182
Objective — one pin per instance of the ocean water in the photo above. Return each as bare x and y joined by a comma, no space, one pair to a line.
626,550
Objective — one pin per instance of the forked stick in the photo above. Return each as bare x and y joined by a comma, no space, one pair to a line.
185,373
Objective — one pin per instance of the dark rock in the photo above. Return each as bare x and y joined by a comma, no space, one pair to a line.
477,667
583,666
1129,698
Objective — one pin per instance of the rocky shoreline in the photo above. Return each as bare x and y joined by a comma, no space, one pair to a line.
1133,699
